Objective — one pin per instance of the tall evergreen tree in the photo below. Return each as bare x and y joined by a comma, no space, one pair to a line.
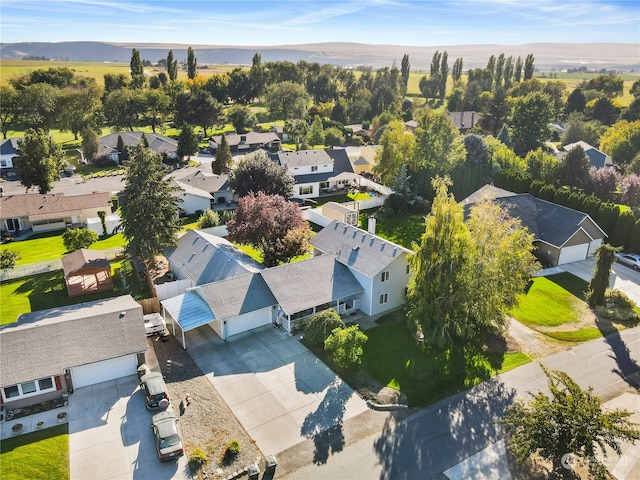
220,165
90,144
149,208
517,71
528,67
444,73
405,68
137,70
192,64
456,72
187,142
172,66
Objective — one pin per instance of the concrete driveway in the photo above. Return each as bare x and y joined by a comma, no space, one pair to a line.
280,392
623,278
110,436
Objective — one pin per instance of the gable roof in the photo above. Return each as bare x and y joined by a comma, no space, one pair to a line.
249,138
204,258
548,222
309,283
597,158
9,146
304,158
337,156
157,143
237,296
487,192
187,189
45,343
41,207
356,248
77,260
209,182
464,120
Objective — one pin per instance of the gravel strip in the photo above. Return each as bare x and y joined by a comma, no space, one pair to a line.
207,422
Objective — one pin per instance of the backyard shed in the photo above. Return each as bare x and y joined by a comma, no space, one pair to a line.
86,271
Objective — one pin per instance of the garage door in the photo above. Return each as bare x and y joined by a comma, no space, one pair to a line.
102,371
248,321
576,253
594,245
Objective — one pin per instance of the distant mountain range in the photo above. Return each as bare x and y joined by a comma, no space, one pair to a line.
548,56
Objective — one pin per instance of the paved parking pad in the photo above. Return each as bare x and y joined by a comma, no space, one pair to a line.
110,436
280,392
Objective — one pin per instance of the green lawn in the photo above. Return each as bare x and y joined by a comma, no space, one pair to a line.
48,246
395,359
552,301
47,290
401,229
41,454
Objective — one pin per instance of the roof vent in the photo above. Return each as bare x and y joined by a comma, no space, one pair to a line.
122,314
355,248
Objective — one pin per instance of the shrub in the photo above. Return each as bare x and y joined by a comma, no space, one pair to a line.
77,238
346,345
197,458
8,259
233,447
618,298
319,326
208,219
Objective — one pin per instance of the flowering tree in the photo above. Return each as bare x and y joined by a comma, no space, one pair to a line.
630,187
602,182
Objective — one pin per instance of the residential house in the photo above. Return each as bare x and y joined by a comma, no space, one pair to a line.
318,171
49,212
279,131
380,267
86,271
357,131
363,159
247,142
464,121
561,234
108,145
193,198
8,154
50,352
411,126
217,185
597,158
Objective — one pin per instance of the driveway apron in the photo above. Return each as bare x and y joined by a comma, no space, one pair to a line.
280,392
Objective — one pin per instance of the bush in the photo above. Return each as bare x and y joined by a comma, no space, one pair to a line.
77,238
346,345
8,259
618,298
197,459
208,219
233,447
319,326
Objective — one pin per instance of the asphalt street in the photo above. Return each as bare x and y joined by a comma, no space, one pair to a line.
439,437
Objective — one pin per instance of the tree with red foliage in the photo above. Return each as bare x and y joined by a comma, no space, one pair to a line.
272,224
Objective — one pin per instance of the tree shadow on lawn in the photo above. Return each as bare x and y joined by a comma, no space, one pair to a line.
572,284
627,368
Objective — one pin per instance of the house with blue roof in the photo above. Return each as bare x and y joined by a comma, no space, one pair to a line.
597,158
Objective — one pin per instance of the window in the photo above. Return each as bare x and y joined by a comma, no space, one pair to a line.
408,270
28,389
314,168
11,392
306,190
384,276
45,384
384,298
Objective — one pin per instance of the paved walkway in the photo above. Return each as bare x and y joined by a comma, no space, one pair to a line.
280,392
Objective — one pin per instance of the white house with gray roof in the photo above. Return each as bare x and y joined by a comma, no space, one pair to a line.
380,267
193,198
48,352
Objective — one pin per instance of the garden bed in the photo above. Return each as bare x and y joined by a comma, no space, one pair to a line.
33,409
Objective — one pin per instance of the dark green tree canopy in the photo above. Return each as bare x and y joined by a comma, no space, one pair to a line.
41,161
172,66
149,206
223,159
258,173
192,64
187,142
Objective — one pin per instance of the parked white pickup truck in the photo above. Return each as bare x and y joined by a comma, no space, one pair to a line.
154,324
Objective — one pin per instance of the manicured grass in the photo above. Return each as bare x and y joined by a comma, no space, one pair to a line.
41,454
47,290
401,229
395,359
48,246
581,335
552,301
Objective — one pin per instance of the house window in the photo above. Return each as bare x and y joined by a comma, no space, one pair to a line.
408,271
3,163
314,168
28,389
306,190
384,298
384,276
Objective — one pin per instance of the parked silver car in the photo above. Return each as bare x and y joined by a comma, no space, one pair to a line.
167,435
629,259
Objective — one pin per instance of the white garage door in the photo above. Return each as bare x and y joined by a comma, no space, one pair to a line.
576,253
248,321
102,371
594,245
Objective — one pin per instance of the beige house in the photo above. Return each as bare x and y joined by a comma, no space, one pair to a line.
49,212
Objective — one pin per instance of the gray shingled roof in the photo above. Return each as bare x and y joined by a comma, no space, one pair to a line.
45,343
597,158
356,248
487,192
157,143
209,182
550,223
41,206
304,158
309,283
74,261
237,296
204,258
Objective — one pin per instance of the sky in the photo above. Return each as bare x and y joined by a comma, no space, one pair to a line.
287,22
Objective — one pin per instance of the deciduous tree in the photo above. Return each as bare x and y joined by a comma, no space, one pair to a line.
8,259
149,208
172,66
347,345
76,238
570,421
192,64
41,161
286,100
258,173
573,169
272,224
622,142
530,122
242,118
90,144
